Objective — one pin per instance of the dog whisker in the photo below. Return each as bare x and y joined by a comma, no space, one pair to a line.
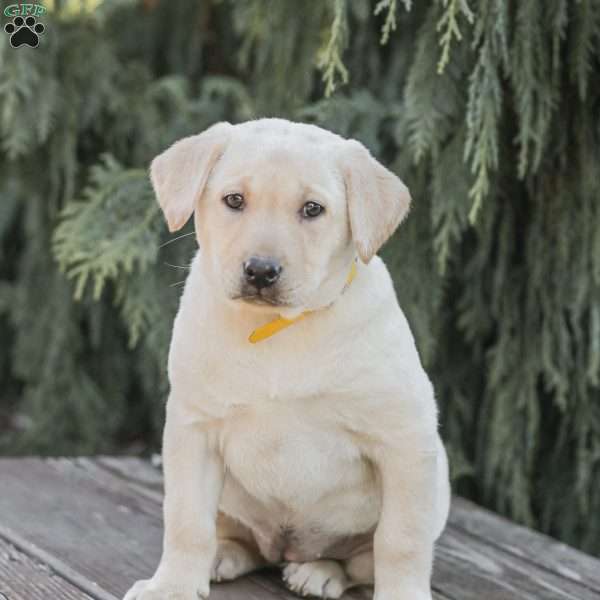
175,239
186,267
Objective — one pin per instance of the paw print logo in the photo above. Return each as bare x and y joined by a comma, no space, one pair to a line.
24,32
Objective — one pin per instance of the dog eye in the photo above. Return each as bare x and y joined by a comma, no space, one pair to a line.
234,201
311,210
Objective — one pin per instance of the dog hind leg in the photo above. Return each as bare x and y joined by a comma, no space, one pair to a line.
360,569
237,552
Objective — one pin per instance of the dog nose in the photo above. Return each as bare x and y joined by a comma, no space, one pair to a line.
262,272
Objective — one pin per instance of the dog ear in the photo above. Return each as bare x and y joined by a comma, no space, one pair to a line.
180,173
377,199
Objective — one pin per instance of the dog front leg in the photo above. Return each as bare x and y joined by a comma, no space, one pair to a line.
193,483
405,535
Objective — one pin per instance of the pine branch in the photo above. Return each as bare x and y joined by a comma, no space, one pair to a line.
389,25
110,233
483,113
448,25
330,55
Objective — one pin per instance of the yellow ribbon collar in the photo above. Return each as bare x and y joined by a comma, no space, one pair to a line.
266,331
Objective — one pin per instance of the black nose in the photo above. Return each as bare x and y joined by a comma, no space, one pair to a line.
262,272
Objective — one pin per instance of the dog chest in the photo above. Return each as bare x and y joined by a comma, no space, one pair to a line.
284,454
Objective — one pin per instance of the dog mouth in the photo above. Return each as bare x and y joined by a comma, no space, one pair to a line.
259,299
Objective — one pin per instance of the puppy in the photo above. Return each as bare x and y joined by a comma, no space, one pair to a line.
301,428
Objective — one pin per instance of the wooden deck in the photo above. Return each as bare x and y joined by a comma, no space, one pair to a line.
73,529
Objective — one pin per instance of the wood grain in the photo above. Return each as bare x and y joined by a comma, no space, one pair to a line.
25,578
527,545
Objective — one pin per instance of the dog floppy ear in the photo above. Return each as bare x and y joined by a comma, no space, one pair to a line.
180,173
377,199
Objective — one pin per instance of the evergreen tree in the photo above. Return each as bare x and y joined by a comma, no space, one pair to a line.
489,109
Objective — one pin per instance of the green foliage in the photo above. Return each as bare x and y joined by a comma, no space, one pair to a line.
95,236
489,110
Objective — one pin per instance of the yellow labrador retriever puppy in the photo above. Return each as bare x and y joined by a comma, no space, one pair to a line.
301,428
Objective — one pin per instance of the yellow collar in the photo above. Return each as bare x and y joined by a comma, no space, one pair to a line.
266,331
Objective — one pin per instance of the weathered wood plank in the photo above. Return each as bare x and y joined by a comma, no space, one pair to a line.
469,569
25,578
97,523
133,469
54,563
528,545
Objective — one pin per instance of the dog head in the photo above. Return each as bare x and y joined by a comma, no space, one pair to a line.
281,209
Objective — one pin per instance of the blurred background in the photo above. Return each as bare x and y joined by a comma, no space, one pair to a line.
489,110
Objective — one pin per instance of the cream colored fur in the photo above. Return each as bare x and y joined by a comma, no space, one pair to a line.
316,449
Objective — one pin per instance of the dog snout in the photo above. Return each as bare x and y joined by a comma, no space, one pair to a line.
262,272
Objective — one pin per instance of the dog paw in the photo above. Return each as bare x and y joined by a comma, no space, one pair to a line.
24,32
148,589
321,578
